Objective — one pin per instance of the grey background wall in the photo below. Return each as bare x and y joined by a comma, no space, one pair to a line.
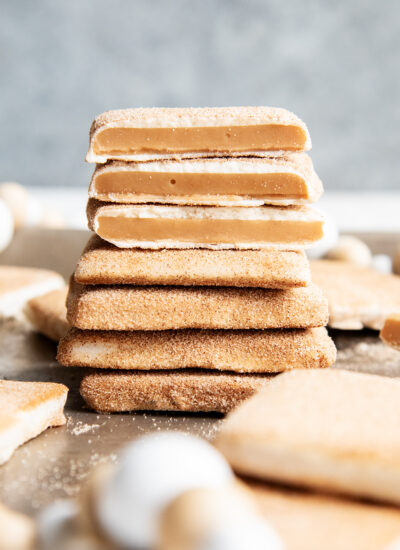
336,64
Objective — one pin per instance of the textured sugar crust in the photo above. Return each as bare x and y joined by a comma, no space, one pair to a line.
176,117
309,428
104,263
358,297
294,163
193,391
187,118
28,408
163,308
13,279
19,284
310,521
263,351
48,313
304,214
23,397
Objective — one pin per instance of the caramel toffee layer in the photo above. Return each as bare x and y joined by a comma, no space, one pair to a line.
288,179
229,130
263,137
176,184
127,225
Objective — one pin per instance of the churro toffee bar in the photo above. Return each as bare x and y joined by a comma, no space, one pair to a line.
143,134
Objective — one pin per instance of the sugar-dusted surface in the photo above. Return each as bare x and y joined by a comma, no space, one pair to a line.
104,263
264,351
55,464
190,391
48,313
363,351
14,279
334,394
310,521
17,398
170,117
192,118
358,297
19,284
161,308
26,410
309,429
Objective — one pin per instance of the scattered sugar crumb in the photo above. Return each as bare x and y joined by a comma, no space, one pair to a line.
82,428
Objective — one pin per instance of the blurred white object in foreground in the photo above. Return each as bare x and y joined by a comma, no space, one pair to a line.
54,523
58,529
215,519
153,470
248,531
6,225
17,531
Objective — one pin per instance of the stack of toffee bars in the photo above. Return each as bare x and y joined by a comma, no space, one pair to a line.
196,287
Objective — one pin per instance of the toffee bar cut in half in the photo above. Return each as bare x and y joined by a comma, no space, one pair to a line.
218,228
286,180
154,133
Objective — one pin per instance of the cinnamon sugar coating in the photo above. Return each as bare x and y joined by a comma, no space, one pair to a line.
358,296
162,308
325,429
312,521
48,314
18,397
20,284
104,263
170,117
26,410
15,279
193,391
262,351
